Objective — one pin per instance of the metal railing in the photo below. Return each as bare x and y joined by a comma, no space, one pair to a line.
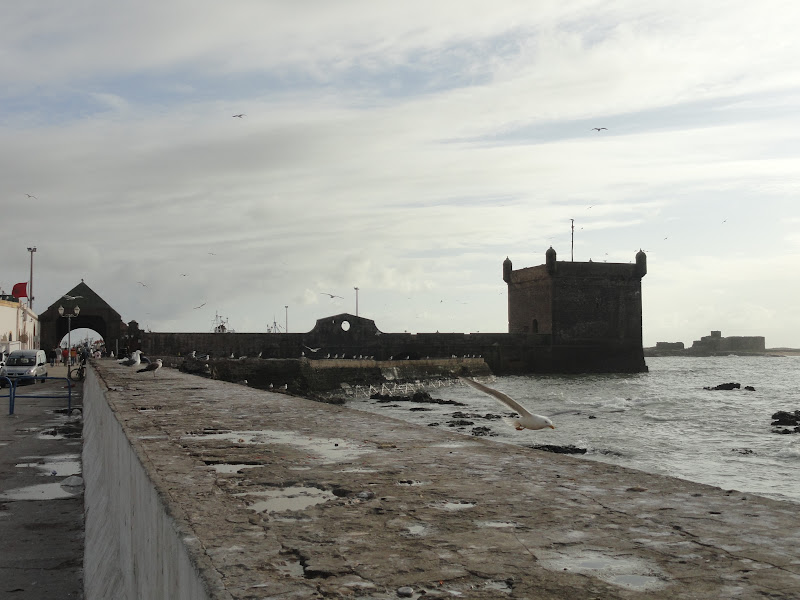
13,384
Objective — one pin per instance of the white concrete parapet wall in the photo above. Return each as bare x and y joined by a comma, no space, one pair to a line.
134,549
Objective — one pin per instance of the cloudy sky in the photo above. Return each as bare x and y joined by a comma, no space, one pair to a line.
404,148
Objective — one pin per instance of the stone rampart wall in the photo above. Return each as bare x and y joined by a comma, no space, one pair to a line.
133,548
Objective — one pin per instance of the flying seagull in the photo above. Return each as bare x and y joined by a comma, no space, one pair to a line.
312,349
68,297
526,420
152,367
599,128
142,284
331,295
201,306
239,116
31,196
133,360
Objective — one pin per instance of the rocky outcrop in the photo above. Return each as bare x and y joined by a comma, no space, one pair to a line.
731,386
786,419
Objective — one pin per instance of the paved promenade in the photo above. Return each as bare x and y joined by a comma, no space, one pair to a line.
288,498
41,519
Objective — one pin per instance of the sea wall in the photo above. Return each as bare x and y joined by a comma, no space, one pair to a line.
322,376
505,353
192,482
133,547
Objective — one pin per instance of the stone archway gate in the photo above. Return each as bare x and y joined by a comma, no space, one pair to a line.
95,313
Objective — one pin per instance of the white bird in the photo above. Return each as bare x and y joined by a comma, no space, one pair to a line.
152,367
68,297
133,360
312,349
332,296
526,420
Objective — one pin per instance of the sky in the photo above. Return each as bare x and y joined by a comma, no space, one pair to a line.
404,149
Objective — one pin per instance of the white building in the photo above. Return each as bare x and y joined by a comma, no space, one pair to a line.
19,325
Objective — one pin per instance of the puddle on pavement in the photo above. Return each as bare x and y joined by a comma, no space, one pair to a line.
450,445
61,465
497,586
623,571
231,467
327,449
358,470
287,499
497,524
454,505
42,491
416,529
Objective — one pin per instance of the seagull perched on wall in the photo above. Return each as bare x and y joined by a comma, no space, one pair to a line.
151,367
133,360
526,420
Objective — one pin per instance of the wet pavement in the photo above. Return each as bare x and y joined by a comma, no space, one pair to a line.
41,493
289,498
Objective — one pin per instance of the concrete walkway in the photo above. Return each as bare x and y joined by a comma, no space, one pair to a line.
288,498
41,520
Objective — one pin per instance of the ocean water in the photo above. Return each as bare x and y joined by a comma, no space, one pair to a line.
661,422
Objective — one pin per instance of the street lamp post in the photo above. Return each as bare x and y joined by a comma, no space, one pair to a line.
69,316
356,289
287,319
30,291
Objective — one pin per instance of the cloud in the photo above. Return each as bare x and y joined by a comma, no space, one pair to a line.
407,156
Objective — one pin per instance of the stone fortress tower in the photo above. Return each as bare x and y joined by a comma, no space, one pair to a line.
580,304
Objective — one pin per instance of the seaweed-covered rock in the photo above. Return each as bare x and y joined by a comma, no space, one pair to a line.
725,386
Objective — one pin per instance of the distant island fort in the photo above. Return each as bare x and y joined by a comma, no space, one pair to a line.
710,345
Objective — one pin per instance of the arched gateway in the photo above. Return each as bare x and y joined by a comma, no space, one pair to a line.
95,313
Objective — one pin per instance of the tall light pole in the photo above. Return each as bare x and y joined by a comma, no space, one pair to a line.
69,316
572,240
287,319
30,284
356,289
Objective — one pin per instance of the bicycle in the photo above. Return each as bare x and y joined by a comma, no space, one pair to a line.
78,373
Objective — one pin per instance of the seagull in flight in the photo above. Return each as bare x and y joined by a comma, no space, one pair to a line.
142,284
312,349
201,306
526,420
331,295
68,297
239,116
31,196
599,128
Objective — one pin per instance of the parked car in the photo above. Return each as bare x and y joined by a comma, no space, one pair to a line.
25,365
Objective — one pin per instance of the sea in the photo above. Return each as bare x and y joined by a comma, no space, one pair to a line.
662,421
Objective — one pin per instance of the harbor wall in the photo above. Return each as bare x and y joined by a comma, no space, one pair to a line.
504,353
133,547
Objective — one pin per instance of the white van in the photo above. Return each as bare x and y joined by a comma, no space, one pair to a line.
28,364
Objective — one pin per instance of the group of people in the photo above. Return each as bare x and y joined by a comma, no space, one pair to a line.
72,356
